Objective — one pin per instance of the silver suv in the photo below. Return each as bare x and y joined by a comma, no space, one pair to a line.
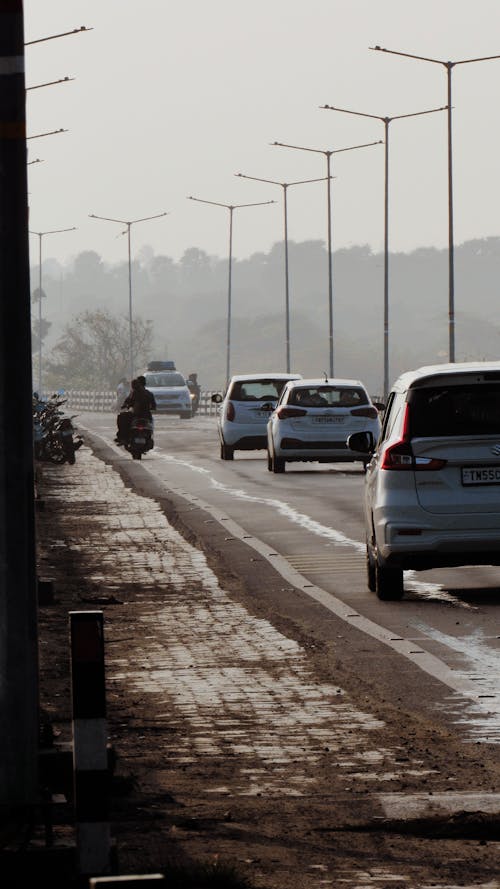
432,488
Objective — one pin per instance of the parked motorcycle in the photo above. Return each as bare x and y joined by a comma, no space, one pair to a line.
140,438
54,436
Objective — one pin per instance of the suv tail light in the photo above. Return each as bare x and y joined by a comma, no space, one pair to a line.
285,413
400,455
370,412
230,412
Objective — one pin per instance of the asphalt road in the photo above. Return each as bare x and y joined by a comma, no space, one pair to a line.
307,524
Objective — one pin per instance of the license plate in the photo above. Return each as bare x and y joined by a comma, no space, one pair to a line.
328,419
138,440
481,475
263,414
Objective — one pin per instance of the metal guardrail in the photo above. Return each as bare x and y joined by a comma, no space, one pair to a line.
105,401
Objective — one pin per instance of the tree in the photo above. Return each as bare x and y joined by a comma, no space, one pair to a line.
93,352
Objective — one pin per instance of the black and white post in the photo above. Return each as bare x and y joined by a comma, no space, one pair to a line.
90,759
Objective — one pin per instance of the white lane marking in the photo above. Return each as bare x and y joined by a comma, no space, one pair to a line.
458,682
429,590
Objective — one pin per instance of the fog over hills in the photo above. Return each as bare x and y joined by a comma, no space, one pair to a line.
187,302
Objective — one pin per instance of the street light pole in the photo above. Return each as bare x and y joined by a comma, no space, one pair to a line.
285,186
231,208
40,235
386,121
129,225
451,246
328,154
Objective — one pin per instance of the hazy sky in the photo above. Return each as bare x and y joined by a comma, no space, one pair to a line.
173,97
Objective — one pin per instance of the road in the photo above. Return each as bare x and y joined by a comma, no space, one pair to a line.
308,523
417,740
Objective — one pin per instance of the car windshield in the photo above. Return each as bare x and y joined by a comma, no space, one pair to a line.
256,390
164,379
328,396
472,409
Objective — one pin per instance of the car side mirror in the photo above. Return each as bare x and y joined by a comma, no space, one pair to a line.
362,442
217,398
379,405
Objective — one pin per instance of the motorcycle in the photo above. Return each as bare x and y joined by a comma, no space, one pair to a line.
53,432
140,438
68,443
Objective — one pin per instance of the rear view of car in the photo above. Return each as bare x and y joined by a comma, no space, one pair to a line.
314,419
245,410
432,496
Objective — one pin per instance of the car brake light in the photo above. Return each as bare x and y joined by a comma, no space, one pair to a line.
400,455
284,413
230,411
370,412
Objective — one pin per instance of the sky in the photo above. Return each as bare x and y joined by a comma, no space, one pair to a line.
172,98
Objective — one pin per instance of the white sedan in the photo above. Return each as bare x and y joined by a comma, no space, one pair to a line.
245,409
313,420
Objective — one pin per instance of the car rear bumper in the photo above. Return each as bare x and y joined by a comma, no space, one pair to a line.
247,443
295,450
419,547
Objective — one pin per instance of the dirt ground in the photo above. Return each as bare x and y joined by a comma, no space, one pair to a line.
309,814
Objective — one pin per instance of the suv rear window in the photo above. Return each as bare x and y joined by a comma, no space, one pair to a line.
256,390
472,409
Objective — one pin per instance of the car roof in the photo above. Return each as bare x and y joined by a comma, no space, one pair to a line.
421,374
238,378
331,381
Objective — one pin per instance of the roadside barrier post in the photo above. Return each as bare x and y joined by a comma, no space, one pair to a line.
90,760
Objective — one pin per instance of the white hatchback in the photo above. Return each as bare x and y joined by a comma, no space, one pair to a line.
245,409
313,420
432,491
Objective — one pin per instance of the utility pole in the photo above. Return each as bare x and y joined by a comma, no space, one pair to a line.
18,606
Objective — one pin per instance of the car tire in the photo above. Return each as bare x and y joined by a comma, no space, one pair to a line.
226,452
370,569
388,581
269,461
277,463
186,415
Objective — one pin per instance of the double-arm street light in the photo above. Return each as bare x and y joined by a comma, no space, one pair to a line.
386,121
129,224
231,208
40,235
328,155
285,186
448,66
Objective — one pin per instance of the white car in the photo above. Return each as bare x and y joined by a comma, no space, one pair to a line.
245,409
171,393
313,420
432,488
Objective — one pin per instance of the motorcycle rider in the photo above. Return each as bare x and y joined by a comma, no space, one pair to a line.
140,402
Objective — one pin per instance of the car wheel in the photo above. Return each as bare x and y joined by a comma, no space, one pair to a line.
277,463
388,581
186,415
269,461
226,452
370,569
